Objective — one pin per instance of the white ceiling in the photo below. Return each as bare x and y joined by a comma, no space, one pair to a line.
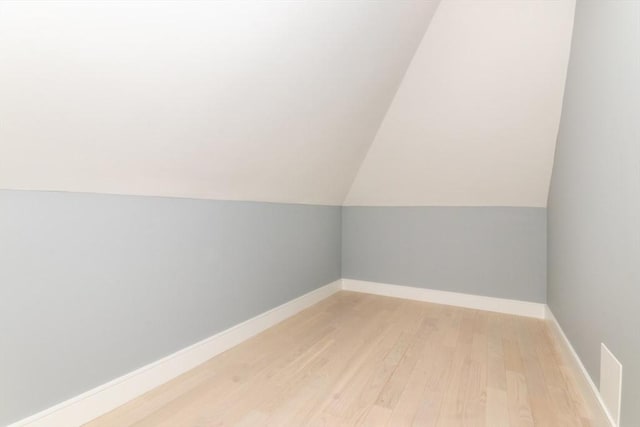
255,100
475,120
280,101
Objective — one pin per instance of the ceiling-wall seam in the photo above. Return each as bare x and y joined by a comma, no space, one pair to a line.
386,111
564,89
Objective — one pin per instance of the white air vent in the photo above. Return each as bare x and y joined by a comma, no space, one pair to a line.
610,383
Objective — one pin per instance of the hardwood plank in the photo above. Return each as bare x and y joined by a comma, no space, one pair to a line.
357,359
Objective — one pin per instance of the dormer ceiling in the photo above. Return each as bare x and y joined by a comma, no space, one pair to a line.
475,120
282,101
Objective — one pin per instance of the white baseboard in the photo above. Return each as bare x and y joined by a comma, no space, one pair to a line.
599,412
500,305
102,399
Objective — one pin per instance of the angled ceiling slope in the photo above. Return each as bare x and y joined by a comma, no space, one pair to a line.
475,120
268,101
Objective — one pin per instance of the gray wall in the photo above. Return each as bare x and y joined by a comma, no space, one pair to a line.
492,251
594,204
95,286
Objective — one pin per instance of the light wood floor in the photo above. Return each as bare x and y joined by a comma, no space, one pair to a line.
358,359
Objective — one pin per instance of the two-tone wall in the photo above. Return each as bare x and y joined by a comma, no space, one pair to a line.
441,155
259,103
452,192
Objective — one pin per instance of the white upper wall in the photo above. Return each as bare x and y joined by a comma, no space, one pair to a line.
475,119
269,101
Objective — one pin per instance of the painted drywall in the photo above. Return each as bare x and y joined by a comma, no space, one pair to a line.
594,202
250,100
95,286
491,251
475,119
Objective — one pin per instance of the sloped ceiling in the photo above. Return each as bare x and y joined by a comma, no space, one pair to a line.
475,119
256,100
281,101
